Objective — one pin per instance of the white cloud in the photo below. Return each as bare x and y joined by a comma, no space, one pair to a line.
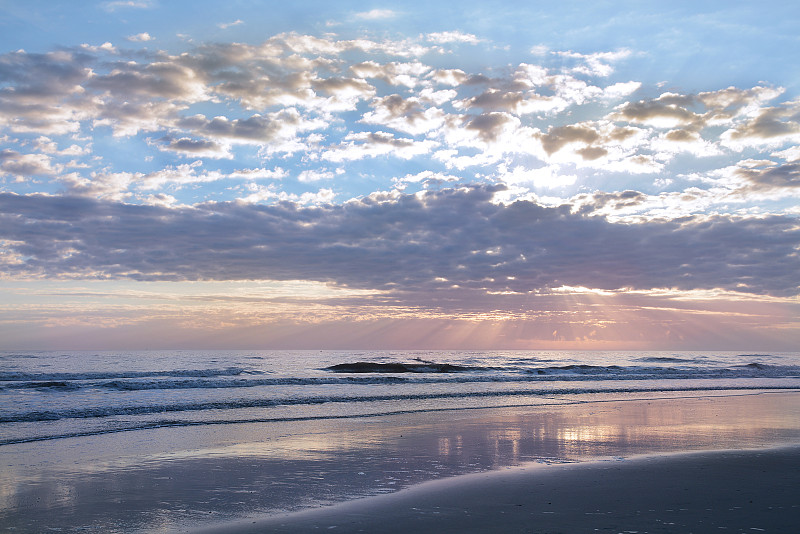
539,50
195,148
140,37
770,127
426,178
550,177
48,146
597,64
226,25
315,175
449,76
376,14
620,89
258,174
790,154
25,166
452,37
407,74
122,4
404,114
190,173
373,144
161,199
103,185
258,194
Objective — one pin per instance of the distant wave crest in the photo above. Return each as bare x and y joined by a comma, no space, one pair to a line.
421,367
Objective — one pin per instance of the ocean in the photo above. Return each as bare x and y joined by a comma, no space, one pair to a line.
283,430
55,395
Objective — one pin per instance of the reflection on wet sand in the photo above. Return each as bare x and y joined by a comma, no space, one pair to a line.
256,469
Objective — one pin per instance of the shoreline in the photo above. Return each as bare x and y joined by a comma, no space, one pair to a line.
216,479
753,490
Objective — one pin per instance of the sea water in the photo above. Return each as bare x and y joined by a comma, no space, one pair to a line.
54,395
122,441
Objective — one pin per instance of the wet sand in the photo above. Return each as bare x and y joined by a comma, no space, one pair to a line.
222,478
728,491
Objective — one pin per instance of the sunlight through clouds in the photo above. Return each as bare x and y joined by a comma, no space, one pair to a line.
405,170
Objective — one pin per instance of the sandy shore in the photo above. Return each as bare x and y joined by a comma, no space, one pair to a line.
729,491
221,478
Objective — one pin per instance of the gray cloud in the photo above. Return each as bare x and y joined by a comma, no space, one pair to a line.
557,137
666,109
431,242
25,165
194,147
404,114
617,200
496,100
153,80
490,125
371,144
42,92
771,177
256,128
770,123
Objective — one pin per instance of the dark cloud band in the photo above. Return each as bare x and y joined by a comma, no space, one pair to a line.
454,238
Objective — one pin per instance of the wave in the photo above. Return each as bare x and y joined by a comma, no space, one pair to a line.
664,359
110,411
422,367
50,384
16,376
148,425
230,378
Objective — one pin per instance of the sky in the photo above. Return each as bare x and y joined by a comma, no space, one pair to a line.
401,175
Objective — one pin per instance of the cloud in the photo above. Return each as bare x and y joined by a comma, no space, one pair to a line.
373,144
426,178
425,243
128,4
560,136
560,122
602,202
120,186
376,14
189,147
315,175
667,111
597,64
140,38
226,25
48,146
42,92
772,125
167,80
256,129
404,114
26,165
490,126
451,77
257,193
393,73
112,186
766,175
452,37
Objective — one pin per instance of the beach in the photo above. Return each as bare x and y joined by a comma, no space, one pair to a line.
724,491
646,465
